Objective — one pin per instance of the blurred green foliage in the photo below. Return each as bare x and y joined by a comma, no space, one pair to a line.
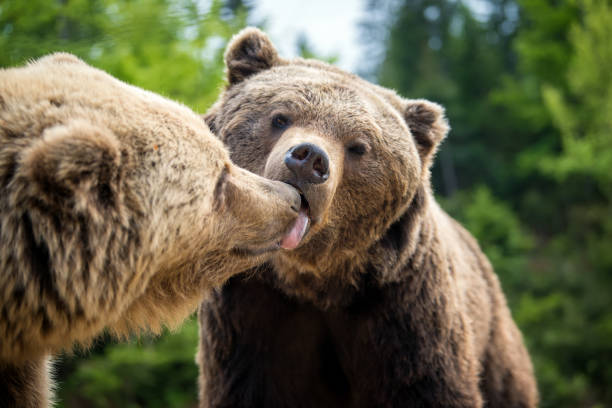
145,372
527,167
173,47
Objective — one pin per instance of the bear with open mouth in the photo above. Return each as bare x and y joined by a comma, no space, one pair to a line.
383,299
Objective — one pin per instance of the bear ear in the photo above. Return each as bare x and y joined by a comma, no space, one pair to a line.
428,126
249,52
78,162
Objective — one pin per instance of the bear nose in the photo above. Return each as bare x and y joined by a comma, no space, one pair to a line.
308,162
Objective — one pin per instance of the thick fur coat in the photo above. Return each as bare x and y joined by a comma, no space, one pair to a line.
119,209
387,301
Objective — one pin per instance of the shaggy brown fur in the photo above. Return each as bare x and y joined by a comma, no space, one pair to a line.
118,209
387,301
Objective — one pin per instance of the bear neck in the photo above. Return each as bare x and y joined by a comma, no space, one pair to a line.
407,251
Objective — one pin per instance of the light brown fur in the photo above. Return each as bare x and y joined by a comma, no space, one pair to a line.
119,209
387,301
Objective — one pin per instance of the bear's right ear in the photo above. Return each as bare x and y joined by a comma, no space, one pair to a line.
249,52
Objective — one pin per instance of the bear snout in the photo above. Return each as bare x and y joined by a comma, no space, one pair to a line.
289,194
308,163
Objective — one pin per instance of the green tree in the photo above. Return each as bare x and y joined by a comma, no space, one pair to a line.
560,95
581,112
170,47
145,372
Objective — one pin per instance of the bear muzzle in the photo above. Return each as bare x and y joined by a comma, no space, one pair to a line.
302,159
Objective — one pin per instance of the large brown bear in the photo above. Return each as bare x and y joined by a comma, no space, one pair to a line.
119,209
387,301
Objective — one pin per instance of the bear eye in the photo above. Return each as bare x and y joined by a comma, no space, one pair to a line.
357,149
280,122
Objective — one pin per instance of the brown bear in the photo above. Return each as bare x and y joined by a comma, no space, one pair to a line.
119,208
386,301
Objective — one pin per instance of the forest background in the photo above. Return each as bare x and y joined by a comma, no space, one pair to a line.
527,167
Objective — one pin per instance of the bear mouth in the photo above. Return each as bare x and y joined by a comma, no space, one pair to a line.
300,227
290,240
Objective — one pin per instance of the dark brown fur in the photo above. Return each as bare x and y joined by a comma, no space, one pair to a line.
118,209
387,301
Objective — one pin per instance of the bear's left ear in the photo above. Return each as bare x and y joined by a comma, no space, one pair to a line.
249,52
428,126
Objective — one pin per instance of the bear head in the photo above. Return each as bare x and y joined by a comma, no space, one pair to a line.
358,153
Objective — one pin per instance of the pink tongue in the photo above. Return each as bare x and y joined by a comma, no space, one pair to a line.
293,238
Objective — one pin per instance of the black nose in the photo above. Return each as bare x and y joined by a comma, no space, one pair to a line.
308,162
